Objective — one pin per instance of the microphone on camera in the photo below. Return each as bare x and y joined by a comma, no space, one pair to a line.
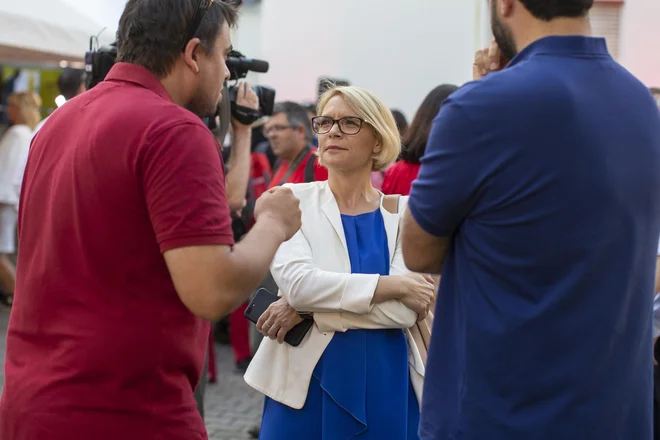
247,64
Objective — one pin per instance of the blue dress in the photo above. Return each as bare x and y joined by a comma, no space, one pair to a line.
360,388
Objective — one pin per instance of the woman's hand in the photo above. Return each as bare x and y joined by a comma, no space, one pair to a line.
277,320
418,293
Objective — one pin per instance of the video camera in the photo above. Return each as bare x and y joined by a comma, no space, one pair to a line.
99,61
239,66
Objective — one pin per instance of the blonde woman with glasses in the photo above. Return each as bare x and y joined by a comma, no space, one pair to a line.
23,111
357,373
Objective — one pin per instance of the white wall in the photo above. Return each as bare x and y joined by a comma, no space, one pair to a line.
640,34
398,49
484,31
105,13
246,37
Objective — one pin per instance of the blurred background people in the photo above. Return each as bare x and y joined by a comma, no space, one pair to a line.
401,122
7,89
70,84
289,132
23,110
311,112
400,176
655,91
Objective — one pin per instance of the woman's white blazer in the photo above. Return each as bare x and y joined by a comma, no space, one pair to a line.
313,273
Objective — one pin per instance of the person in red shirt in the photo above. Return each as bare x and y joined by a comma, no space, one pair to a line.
400,176
289,132
126,247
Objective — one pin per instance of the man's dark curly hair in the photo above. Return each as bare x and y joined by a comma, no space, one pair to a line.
151,32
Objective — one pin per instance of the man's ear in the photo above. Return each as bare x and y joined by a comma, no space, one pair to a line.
190,54
506,7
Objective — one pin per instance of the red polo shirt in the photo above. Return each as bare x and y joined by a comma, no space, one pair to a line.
99,345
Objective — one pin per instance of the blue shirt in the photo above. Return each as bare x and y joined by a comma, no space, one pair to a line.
545,176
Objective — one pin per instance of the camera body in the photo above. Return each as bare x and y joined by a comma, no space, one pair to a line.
266,97
98,62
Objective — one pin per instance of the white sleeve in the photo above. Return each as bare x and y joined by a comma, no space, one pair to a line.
10,161
388,314
309,289
21,163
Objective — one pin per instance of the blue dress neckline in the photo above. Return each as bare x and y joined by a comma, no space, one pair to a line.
364,214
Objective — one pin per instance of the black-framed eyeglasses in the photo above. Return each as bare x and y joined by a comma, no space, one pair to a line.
349,125
202,7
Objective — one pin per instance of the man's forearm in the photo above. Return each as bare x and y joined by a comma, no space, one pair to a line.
238,168
251,259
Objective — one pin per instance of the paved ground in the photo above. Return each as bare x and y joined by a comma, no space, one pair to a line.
231,406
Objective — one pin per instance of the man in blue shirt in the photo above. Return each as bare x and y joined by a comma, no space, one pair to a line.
538,200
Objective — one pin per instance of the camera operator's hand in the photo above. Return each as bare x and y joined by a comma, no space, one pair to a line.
281,209
245,98
488,60
238,174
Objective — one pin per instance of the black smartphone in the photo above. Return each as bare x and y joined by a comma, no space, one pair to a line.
258,305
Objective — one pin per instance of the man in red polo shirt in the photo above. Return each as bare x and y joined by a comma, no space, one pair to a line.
126,244
289,132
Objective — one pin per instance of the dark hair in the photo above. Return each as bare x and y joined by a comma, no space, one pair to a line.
151,32
414,142
297,116
69,82
655,90
401,122
310,108
550,9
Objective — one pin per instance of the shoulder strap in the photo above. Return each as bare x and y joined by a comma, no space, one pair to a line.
391,203
263,162
293,166
309,169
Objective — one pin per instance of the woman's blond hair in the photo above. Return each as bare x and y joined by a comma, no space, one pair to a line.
29,105
374,112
